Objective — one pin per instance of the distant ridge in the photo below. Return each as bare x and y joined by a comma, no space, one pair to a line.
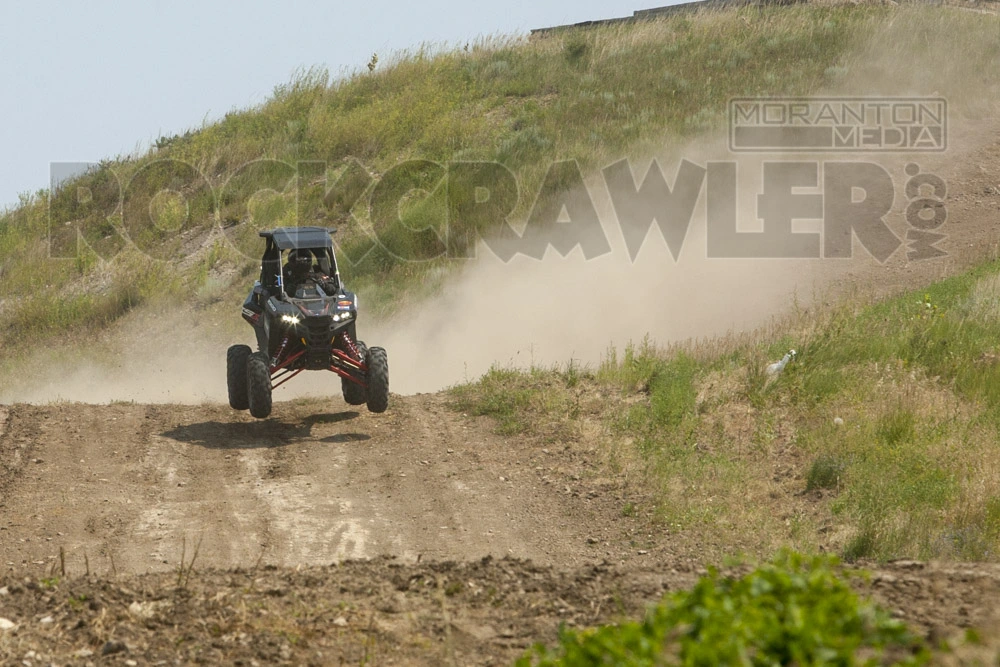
985,6
669,10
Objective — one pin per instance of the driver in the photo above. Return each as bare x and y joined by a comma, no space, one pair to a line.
299,272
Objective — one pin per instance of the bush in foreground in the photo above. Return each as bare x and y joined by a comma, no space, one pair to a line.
797,610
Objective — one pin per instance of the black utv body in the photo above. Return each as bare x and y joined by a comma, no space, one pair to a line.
309,326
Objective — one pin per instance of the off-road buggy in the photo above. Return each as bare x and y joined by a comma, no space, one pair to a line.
310,325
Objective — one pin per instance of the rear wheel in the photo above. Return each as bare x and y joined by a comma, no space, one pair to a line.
378,379
354,393
236,376
259,384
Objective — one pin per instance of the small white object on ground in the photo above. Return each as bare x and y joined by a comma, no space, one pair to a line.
778,366
837,421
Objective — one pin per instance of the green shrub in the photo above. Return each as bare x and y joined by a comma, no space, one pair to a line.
576,47
825,473
863,544
638,366
797,610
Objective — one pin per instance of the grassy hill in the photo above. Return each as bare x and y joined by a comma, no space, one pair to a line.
592,95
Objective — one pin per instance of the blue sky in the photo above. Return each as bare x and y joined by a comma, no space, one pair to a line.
82,81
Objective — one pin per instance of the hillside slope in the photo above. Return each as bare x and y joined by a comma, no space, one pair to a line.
657,89
594,96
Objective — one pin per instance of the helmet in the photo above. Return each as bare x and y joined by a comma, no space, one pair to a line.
300,261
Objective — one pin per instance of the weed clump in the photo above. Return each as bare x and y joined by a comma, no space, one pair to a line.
797,610
825,473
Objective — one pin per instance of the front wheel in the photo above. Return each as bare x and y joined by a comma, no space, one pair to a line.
259,384
378,379
236,376
354,393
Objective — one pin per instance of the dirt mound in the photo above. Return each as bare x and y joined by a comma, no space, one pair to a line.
383,611
92,491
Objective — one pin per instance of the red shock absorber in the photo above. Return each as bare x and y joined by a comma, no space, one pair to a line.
351,347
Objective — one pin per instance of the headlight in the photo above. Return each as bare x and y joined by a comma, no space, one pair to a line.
290,319
343,317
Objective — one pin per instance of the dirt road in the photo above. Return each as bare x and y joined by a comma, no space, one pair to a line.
130,487
327,535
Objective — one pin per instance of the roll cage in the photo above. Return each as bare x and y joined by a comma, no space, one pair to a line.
317,240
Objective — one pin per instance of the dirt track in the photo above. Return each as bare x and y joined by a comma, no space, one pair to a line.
419,496
123,489
129,487
325,535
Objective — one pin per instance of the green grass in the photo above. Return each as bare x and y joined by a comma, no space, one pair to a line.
520,402
663,422
593,95
891,410
915,384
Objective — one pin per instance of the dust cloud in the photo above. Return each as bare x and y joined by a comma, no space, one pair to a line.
514,314
147,357
550,311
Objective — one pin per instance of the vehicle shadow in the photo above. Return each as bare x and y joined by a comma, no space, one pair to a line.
346,437
270,433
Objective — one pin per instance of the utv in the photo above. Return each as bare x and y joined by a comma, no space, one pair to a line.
304,321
